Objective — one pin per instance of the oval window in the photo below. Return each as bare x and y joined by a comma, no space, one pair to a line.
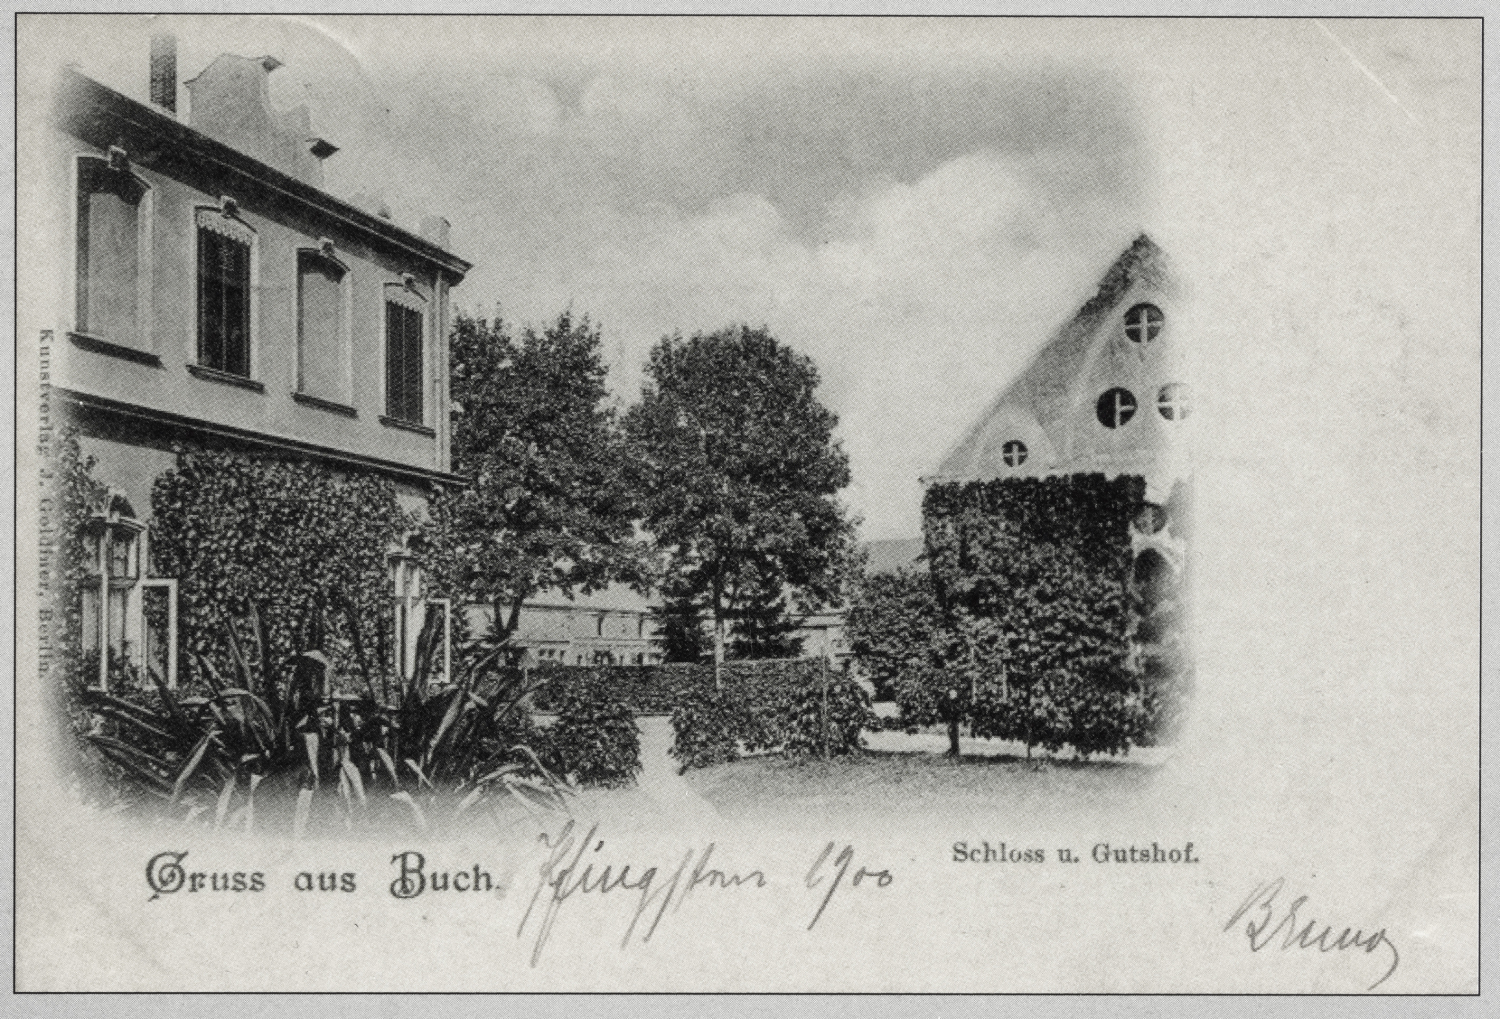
1115,407
1143,322
1013,453
1172,401
1150,518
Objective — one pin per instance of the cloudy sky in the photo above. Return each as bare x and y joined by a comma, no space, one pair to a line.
915,204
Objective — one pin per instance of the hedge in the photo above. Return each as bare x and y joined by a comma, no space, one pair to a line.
761,705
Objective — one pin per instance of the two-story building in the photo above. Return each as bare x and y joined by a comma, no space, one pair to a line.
206,288
615,626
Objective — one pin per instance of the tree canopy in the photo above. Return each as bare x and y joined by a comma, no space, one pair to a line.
549,505
740,477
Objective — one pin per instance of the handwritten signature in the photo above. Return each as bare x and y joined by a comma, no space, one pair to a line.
1261,932
564,875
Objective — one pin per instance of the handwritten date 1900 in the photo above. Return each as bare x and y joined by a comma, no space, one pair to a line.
816,875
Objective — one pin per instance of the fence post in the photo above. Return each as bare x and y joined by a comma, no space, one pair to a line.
825,706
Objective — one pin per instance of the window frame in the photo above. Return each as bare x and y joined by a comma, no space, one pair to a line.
104,525
404,295
1119,421
1147,335
115,162
409,584
225,220
1175,397
325,252
1014,453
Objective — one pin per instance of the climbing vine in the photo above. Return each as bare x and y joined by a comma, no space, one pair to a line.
297,539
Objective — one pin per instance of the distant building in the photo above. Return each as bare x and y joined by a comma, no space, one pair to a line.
209,291
615,626
1107,392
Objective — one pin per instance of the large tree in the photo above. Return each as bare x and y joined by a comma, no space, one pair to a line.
740,476
549,504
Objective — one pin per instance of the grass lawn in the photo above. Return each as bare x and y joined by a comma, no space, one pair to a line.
883,783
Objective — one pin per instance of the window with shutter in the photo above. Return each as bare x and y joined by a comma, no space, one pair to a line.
403,362
112,252
321,358
223,302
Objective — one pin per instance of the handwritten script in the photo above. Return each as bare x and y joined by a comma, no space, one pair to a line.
651,890
1270,917
574,868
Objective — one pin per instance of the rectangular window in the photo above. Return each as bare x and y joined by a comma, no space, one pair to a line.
129,621
320,326
108,268
403,362
223,303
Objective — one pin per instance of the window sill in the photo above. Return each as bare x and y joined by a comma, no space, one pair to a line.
214,375
409,426
84,341
309,400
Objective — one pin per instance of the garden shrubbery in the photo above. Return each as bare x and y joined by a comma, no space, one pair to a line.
792,705
595,738
765,705
1027,626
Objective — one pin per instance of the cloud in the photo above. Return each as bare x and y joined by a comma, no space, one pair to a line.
903,220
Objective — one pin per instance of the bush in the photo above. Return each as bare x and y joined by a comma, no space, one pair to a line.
595,738
1034,579
282,727
709,731
828,724
771,705
645,689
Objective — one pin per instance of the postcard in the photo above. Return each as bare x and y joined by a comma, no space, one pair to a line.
747,504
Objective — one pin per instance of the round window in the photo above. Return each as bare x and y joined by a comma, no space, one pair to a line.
1143,322
1172,401
1013,453
1150,518
1115,407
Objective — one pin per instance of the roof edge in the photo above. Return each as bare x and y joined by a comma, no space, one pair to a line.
77,90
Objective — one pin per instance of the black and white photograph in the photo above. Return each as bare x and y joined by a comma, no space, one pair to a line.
747,504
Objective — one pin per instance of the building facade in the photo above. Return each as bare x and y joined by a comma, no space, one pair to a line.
208,290
615,626
1107,393
1110,393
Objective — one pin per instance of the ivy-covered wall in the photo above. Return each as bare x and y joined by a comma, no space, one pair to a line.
292,536
1034,577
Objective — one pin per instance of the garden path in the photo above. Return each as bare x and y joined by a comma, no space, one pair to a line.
659,779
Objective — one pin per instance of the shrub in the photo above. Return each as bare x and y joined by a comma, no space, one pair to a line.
280,724
1033,576
828,723
709,730
771,705
645,689
894,626
595,738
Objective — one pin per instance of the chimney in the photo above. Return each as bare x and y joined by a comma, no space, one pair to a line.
436,229
164,72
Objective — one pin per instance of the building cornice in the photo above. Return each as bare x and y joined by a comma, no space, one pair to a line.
196,427
103,117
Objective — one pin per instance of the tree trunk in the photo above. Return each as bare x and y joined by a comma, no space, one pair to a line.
953,738
718,637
